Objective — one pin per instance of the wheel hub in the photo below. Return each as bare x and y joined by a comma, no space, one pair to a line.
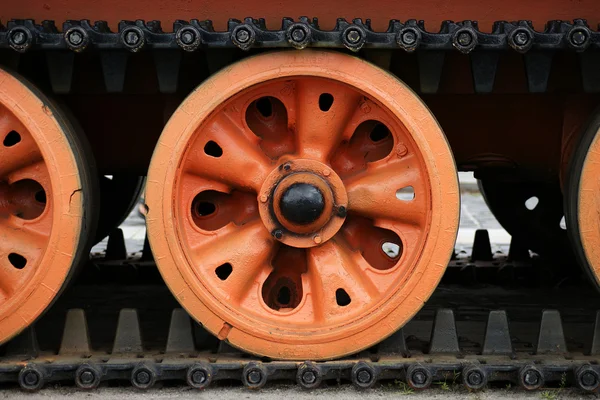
300,203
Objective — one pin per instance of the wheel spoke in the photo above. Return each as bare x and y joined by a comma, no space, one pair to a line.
333,266
20,155
225,153
320,132
248,249
373,193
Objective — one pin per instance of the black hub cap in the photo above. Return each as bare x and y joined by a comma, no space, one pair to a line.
302,203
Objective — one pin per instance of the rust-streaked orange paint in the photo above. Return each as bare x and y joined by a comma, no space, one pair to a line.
45,229
381,11
228,276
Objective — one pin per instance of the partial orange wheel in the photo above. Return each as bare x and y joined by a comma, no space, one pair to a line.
582,205
302,205
45,192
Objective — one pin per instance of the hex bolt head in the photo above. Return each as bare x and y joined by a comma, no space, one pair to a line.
132,38
142,377
86,377
75,38
531,377
475,378
298,35
31,378
588,379
199,377
309,377
521,38
188,36
342,212
254,377
19,37
579,37
242,35
353,36
464,39
364,376
419,377
278,233
409,37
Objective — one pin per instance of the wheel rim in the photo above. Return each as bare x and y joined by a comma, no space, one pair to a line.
583,199
318,283
42,194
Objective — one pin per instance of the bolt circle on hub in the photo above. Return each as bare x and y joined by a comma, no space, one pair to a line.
300,204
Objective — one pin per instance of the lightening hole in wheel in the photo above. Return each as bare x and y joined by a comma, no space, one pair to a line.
223,271
325,101
11,139
406,193
563,223
531,203
264,106
17,260
284,296
40,196
212,149
342,298
392,250
379,133
204,208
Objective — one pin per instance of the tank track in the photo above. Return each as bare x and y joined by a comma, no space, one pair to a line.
537,47
428,352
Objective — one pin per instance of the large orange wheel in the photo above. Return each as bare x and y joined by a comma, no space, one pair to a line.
45,191
582,206
302,205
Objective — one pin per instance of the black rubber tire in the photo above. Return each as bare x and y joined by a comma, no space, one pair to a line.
572,182
539,229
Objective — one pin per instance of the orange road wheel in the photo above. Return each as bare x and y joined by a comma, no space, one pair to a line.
302,205
582,206
45,190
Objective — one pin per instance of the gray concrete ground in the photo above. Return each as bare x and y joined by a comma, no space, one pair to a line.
278,392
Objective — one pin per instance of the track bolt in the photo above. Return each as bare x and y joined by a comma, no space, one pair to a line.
465,39
578,37
132,38
419,378
199,377
188,37
86,377
364,376
19,38
31,378
353,36
264,198
242,35
409,38
309,377
401,150
75,38
521,38
142,377
298,35
254,377
475,378
341,211
278,233
326,172
532,378
317,239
